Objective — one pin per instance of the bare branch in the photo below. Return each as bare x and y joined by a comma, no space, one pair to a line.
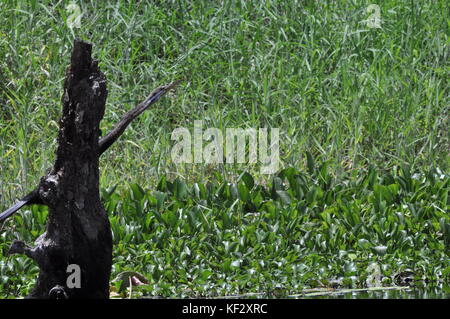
119,128
19,247
31,198
104,143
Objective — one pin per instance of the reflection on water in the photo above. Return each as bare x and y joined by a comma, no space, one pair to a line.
412,293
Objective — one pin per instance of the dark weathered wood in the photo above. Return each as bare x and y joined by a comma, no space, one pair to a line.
31,198
104,143
78,230
120,127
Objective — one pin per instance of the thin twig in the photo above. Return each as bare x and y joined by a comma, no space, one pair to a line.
106,141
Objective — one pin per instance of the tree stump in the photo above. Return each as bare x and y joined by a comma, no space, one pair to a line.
78,230
78,234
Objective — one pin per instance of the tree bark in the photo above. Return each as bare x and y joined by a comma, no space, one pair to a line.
78,230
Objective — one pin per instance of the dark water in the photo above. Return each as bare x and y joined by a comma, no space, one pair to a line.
410,293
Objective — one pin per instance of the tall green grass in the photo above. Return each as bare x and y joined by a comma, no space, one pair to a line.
348,95
336,88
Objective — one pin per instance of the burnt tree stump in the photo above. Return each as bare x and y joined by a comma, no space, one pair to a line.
78,230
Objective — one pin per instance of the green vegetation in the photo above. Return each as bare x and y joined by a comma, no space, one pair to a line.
225,238
363,116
